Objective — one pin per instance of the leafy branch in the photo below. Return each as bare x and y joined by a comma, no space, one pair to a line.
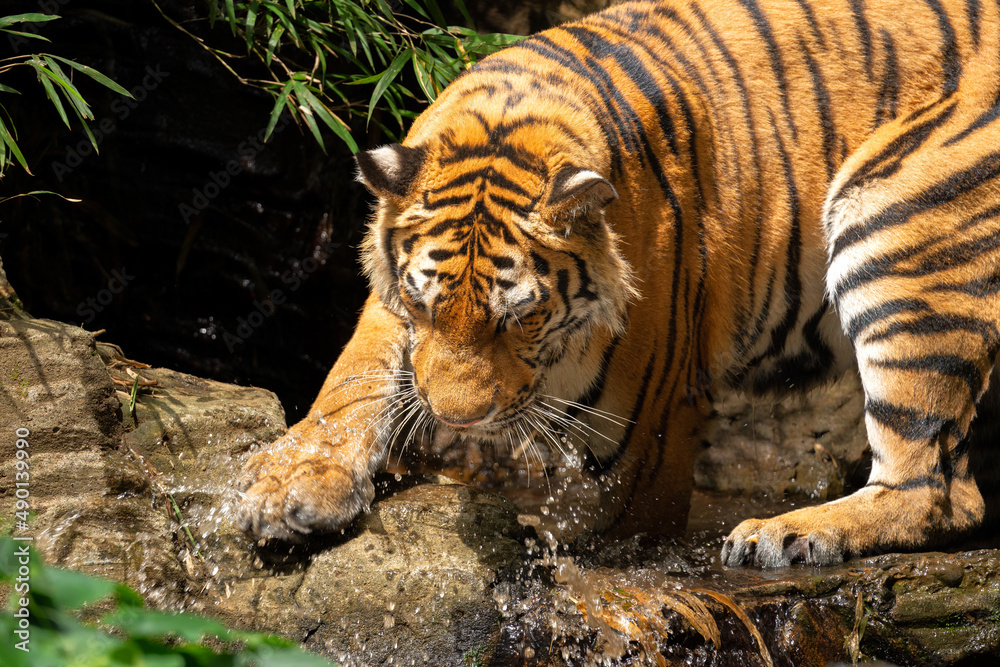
322,57
58,86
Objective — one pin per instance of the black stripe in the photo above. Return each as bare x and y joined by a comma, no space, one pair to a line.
597,466
545,47
888,95
932,481
942,364
680,99
951,64
774,53
540,263
980,287
744,313
864,33
909,423
634,69
942,192
596,388
983,120
972,11
888,160
950,256
822,108
883,311
812,22
939,323
793,284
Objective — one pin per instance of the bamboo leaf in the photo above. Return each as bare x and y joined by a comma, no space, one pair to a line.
303,107
44,77
464,11
34,17
69,90
279,105
387,77
29,35
272,43
8,140
96,76
338,126
423,76
231,13
40,192
251,22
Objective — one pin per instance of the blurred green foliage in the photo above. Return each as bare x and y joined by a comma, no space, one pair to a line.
126,634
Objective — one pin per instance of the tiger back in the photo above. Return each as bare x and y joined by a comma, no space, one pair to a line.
589,229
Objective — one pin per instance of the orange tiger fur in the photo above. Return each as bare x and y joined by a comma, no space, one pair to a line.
594,221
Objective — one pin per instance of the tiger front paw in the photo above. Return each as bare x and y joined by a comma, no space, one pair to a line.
777,542
291,489
875,519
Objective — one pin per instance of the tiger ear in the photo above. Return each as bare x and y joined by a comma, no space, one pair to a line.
389,171
577,188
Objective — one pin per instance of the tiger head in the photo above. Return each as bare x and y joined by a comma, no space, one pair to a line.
502,263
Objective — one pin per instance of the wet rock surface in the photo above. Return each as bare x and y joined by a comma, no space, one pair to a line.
447,574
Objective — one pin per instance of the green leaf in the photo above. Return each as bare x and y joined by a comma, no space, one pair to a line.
418,8
151,624
8,89
306,112
279,105
69,90
387,77
464,11
231,14
338,126
44,77
26,18
286,657
72,590
272,44
423,77
29,35
251,21
96,76
9,142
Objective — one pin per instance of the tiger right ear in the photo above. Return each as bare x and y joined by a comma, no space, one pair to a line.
577,187
389,171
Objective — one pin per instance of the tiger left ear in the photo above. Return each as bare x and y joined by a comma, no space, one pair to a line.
389,171
581,188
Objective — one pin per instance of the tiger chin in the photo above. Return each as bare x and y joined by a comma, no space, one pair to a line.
587,225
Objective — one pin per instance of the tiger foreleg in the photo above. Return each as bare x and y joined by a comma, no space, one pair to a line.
917,296
317,477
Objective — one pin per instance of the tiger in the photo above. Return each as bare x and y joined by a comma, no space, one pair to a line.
590,229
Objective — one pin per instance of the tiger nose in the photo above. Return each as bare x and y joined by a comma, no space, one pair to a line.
459,416
458,424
